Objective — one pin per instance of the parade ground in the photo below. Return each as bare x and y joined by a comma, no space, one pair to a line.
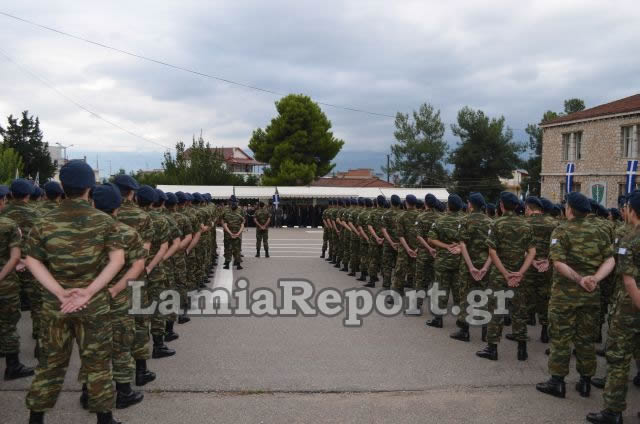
313,369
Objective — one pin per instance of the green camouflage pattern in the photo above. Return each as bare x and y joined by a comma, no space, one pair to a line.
446,230
234,220
425,273
262,236
10,237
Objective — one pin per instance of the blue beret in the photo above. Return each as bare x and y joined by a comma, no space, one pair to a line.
37,192
455,201
4,190
106,197
411,199
615,213
181,197
602,212
197,198
147,194
126,181
430,200
420,203
368,202
172,199
161,195
477,200
77,174
508,198
491,207
533,200
579,201
360,201
189,197
380,199
441,206
634,201
395,200
594,205
387,204
21,187
547,206
53,189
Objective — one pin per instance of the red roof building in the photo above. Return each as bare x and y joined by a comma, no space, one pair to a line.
237,160
362,177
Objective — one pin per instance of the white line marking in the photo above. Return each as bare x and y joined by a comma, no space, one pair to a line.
278,256
223,278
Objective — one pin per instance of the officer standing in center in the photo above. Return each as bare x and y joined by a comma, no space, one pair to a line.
233,224
263,219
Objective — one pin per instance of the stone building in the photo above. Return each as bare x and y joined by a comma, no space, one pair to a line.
600,142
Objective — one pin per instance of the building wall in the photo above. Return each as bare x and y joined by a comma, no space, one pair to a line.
602,157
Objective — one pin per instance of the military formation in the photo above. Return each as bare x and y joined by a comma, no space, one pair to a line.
574,268
69,253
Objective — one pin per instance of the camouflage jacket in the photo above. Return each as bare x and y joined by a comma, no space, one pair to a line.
10,237
425,222
446,230
133,251
389,222
262,215
474,230
408,228
233,219
629,263
23,214
135,217
542,227
511,237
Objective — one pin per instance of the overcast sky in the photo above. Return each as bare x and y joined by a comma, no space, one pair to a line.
508,58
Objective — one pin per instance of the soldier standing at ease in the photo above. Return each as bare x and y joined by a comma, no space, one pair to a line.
407,237
512,250
426,253
54,194
390,246
582,256
233,224
10,240
326,230
374,228
263,219
83,254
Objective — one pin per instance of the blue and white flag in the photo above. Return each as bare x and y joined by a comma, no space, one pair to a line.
571,168
632,168
276,198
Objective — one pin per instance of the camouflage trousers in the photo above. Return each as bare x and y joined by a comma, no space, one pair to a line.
180,276
325,239
93,336
332,244
447,280
375,261
9,314
233,250
538,285
142,340
192,270
389,257
606,296
404,272
124,329
157,281
467,285
170,282
519,309
424,273
354,257
262,239
365,257
33,290
572,325
345,242
623,341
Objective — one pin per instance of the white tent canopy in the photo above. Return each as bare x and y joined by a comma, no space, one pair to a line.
304,192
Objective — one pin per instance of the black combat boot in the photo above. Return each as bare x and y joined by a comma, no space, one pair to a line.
583,386
36,417
226,265
15,369
322,256
555,386
484,333
345,268
371,283
490,352
106,418
143,375
605,417
125,396
636,379
510,336
183,319
266,253
522,351
258,253
544,334
238,266
169,334
435,322
351,274
462,334
598,382
337,264
532,319
160,350
84,397
507,320
363,276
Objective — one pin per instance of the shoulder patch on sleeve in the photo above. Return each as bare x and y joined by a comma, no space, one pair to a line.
554,241
622,251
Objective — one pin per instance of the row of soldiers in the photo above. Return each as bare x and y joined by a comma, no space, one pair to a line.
74,254
574,267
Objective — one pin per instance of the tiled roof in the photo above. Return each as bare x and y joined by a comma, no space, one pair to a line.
626,105
350,182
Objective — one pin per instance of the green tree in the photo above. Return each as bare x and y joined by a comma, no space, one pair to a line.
419,155
298,144
26,138
485,153
10,162
573,105
533,164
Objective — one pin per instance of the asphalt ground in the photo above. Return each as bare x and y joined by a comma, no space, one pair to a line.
315,370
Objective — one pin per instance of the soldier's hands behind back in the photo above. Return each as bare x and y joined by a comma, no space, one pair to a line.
78,300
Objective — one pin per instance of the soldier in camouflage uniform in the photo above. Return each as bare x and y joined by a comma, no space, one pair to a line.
426,253
354,236
86,255
473,233
582,257
365,238
512,250
233,224
184,203
345,234
408,243
132,215
107,198
391,243
624,332
326,230
10,242
25,215
54,196
262,220
374,229
444,236
335,219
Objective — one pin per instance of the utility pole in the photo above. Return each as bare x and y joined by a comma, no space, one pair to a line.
64,148
388,156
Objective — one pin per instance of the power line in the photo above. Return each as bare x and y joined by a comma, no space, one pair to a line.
77,104
182,68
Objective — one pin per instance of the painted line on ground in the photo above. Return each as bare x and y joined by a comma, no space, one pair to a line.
223,278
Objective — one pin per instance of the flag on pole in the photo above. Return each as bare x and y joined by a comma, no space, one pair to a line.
17,174
37,181
632,168
276,198
571,168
